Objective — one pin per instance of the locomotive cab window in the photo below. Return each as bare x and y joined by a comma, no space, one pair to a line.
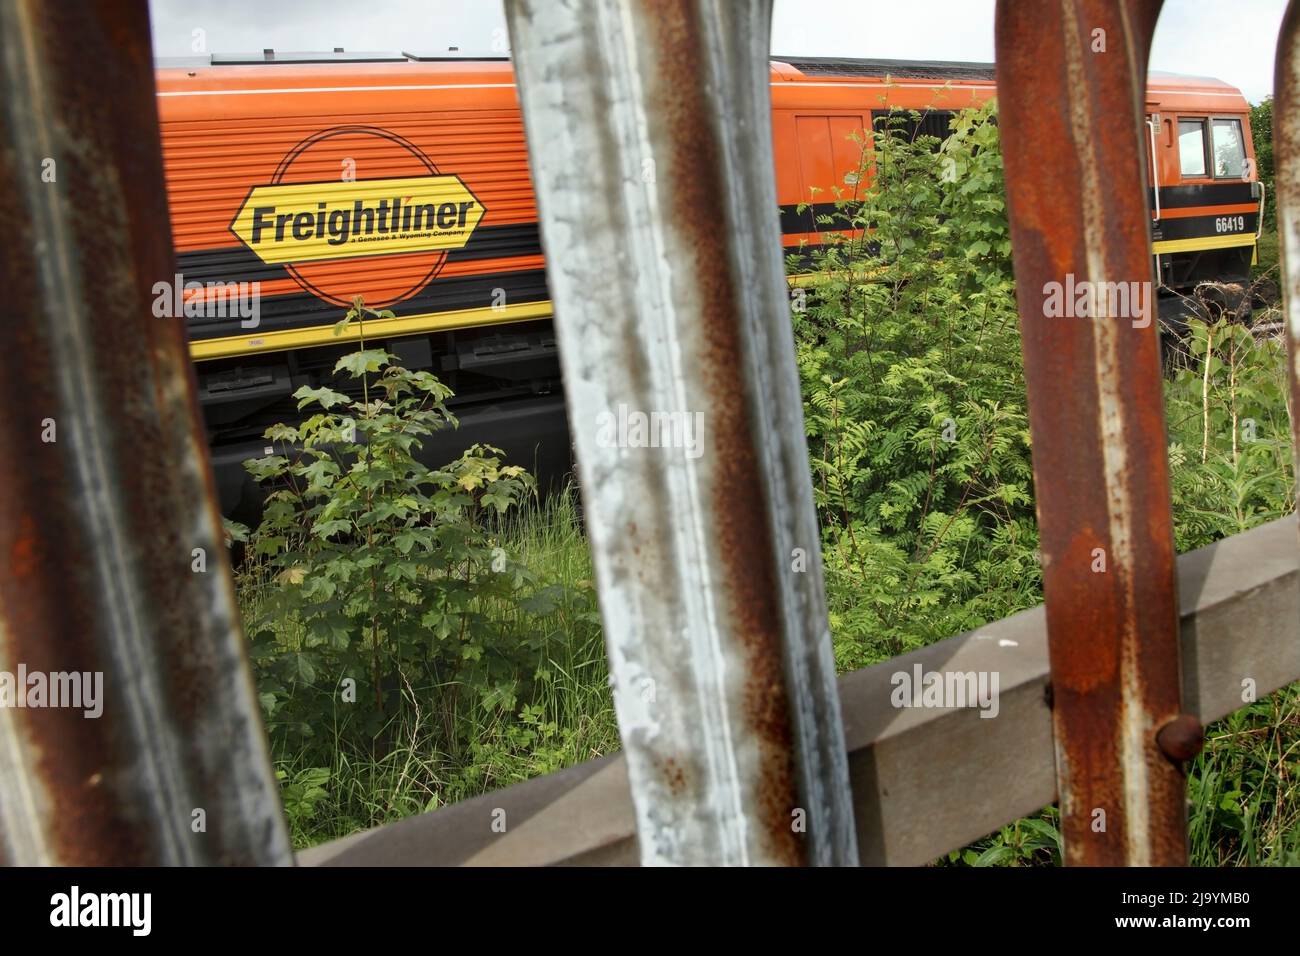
1229,149
1191,147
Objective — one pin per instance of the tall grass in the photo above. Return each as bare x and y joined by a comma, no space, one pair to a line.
335,784
1244,796
1244,789
1244,800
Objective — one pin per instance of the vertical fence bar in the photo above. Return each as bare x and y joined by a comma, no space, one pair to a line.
649,127
112,561
1286,157
1071,76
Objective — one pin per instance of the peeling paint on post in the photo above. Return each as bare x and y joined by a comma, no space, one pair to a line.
107,490
648,126
1070,112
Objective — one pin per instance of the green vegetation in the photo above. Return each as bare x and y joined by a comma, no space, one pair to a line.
463,606
1261,134
438,744
405,659
915,411
915,400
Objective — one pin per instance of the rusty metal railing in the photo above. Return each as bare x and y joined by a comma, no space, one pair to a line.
1286,158
659,218
114,584
649,129
1070,98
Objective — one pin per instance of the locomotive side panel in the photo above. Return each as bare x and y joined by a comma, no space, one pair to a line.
408,184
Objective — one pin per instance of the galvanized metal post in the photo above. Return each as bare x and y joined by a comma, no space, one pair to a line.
115,590
1286,158
1070,80
649,132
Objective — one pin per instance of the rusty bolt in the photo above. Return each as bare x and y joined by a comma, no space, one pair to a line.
1181,738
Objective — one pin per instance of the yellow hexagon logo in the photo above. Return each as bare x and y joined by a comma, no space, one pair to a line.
309,222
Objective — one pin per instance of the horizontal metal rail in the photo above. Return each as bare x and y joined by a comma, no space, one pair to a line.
925,781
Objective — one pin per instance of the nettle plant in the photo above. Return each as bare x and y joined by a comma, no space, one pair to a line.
379,566
909,355
1229,430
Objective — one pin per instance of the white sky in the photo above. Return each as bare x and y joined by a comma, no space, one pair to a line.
1233,40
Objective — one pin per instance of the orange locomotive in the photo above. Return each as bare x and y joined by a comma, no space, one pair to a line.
403,178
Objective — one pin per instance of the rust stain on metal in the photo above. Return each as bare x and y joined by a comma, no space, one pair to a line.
1286,142
674,776
737,514
97,526
744,723
1069,108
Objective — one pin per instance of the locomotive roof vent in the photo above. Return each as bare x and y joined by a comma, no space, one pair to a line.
337,55
899,69
453,53
193,60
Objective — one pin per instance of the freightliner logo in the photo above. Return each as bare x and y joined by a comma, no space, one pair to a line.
307,222
381,227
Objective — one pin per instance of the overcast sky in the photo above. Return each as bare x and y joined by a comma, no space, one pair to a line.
1233,40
